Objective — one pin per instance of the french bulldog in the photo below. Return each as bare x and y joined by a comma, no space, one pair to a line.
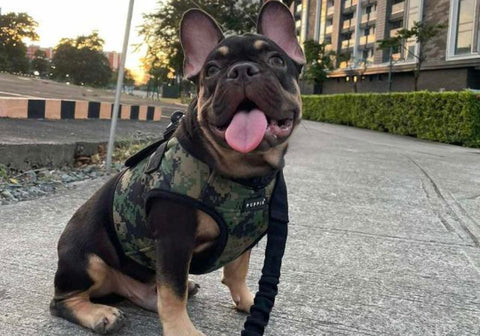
202,199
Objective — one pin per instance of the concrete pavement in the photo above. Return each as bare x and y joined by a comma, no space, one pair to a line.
384,240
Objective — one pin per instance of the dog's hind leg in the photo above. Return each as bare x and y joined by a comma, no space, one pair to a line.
75,305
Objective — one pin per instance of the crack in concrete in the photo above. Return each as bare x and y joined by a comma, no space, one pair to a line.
461,222
377,235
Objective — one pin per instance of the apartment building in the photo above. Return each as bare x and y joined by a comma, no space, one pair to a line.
352,28
114,58
32,50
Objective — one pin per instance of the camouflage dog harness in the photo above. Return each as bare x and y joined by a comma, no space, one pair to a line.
240,211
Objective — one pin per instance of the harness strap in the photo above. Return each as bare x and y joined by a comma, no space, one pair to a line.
156,158
167,134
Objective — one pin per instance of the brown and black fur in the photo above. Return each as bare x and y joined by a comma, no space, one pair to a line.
91,261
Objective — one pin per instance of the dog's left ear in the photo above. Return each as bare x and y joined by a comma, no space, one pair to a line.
199,34
276,22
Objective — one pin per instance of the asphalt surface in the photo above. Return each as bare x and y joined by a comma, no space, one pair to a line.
384,240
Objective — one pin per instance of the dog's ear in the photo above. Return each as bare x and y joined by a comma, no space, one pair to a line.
199,34
276,22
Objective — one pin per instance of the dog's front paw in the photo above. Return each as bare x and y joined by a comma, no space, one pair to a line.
182,331
243,299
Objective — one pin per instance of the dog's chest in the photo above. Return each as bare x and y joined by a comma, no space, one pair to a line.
240,214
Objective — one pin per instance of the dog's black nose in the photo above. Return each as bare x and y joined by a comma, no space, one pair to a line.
243,71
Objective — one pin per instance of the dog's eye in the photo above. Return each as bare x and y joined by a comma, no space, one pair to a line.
276,61
212,70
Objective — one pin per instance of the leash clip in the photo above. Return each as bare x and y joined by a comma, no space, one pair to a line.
174,121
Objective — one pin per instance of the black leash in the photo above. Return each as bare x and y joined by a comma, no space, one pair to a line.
268,284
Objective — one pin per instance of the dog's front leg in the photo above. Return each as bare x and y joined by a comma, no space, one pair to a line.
173,227
234,276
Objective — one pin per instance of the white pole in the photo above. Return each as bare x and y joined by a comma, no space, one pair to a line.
116,105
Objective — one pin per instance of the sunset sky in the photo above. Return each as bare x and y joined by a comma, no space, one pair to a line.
65,18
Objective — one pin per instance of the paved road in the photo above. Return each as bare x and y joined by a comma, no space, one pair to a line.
384,240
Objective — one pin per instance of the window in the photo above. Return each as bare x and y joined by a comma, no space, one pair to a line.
396,24
464,29
464,35
414,15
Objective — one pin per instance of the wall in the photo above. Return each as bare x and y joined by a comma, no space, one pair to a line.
433,80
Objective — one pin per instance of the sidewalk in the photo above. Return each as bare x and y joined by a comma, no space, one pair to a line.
383,240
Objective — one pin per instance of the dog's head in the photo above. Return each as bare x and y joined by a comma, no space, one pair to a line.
248,97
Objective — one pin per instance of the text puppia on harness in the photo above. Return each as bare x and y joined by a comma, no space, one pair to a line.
244,211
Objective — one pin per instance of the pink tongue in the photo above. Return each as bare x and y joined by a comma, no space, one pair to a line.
246,130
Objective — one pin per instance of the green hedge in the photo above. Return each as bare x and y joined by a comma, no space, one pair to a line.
450,117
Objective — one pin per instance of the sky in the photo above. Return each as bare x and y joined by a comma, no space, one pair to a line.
66,18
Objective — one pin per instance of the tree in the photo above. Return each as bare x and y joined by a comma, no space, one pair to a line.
160,29
319,62
82,61
14,28
128,79
421,33
40,63
158,76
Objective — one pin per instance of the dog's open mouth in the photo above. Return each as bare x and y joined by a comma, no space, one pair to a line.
250,125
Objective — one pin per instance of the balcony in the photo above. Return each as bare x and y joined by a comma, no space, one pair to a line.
348,43
348,5
396,56
298,9
369,17
398,8
329,29
330,11
349,24
394,32
367,39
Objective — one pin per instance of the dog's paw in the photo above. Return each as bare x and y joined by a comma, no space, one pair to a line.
184,333
182,330
244,301
109,319
193,288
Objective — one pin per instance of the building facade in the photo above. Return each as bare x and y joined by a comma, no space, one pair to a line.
351,29
32,50
114,58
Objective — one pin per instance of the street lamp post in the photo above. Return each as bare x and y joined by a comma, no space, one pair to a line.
116,105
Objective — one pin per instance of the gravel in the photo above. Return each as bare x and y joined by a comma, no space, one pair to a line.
36,183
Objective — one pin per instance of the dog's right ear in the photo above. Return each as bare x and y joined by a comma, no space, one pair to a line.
276,22
199,34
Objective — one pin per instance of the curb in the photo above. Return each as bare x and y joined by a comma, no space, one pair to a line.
55,109
23,157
